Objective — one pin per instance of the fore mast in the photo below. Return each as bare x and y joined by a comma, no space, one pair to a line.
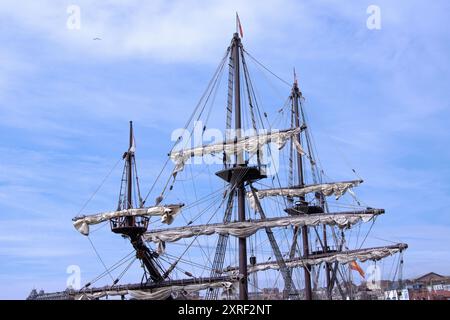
133,227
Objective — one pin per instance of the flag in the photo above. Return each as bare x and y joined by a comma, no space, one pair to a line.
239,26
295,78
356,267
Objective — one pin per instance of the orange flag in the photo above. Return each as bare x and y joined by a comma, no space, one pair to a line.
356,267
238,22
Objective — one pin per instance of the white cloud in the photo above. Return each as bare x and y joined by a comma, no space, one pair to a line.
181,30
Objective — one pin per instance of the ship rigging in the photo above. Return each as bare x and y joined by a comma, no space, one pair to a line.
269,212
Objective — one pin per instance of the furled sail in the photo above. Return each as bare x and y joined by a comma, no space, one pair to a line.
342,257
247,228
167,213
157,293
250,144
336,188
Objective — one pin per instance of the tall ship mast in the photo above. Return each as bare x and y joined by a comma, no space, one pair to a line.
249,211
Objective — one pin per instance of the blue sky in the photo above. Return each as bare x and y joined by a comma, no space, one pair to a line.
377,100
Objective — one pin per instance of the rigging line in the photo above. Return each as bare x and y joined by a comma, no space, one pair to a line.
121,203
196,236
193,184
211,197
156,180
213,247
391,269
99,187
134,181
258,108
210,91
201,172
220,66
358,233
188,262
206,197
267,69
346,161
113,267
103,224
248,87
138,188
280,112
211,205
312,160
190,118
216,89
390,241
370,229
215,78
311,137
396,268
251,92
194,265
184,240
124,271
190,222
176,266
99,258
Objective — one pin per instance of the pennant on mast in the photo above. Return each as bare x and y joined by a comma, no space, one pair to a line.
355,266
239,26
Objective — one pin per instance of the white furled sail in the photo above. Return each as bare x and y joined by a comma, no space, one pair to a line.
157,293
247,228
342,257
167,213
336,188
250,144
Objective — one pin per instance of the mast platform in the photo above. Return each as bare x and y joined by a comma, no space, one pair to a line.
242,173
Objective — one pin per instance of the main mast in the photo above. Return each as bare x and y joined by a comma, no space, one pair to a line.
243,284
296,94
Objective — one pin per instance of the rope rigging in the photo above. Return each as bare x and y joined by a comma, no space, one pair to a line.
283,241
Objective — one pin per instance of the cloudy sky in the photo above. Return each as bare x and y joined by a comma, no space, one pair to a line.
378,101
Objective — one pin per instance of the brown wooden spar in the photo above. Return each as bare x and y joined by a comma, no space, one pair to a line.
123,289
365,254
343,219
295,96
